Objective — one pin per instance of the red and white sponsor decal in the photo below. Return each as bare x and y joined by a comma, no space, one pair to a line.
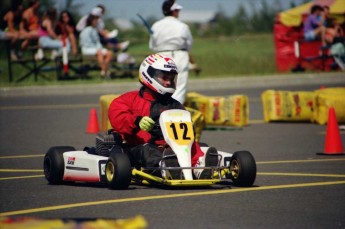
70,160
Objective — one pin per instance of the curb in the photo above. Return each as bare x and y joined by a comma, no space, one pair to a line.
210,83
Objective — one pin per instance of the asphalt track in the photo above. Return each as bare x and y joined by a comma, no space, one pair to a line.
295,188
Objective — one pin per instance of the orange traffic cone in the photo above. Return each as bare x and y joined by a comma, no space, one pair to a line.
93,126
333,145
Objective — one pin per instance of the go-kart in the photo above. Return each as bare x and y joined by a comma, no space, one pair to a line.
109,163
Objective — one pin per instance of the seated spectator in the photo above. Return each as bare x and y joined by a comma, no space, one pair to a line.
30,22
47,37
325,15
336,40
91,45
108,38
6,35
66,26
12,18
9,25
334,32
314,25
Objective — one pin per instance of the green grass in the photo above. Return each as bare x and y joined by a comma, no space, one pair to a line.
228,56
221,57
246,55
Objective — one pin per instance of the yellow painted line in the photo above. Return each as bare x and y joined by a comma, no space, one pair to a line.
21,156
299,161
181,195
42,107
259,173
302,174
259,163
22,177
20,170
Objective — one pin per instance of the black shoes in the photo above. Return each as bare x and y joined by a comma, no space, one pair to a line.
211,159
170,160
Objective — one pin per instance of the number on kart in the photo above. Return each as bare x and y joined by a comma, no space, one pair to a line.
181,133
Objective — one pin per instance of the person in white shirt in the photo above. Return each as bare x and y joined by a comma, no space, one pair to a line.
108,38
173,38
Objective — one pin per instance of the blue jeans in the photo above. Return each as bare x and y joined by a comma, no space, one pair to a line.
49,43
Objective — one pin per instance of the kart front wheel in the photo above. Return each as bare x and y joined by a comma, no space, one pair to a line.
242,169
53,163
118,171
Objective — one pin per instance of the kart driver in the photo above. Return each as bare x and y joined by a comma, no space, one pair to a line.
134,115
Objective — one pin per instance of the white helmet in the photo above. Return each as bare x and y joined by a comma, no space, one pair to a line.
154,66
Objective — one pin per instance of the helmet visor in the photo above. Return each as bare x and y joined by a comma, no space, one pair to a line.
164,78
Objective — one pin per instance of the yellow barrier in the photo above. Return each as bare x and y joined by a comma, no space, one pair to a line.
198,120
230,110
326,98
287,105
104,103
136,222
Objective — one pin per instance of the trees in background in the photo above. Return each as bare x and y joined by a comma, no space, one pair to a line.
260,19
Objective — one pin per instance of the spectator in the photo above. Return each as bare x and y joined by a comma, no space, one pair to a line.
30,22
314,25
13,17
108,38
134,114
325,15
334,32
66,26
91,45
335,39
173,38
6,35
9,24
47,37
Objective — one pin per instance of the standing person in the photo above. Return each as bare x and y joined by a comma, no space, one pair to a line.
30,21
47,36
173,38
108,38
90,43
66,27
134,114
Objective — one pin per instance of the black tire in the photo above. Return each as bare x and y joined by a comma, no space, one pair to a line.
242,169
118,171
53,164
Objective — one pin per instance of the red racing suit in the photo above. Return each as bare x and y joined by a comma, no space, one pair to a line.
126,111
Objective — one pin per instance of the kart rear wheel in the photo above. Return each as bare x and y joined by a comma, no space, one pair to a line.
53,163
242,169
118,171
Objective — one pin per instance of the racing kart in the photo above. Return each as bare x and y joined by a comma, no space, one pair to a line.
109,163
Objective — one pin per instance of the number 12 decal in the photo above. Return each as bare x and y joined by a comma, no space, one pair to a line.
184,127
181,133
